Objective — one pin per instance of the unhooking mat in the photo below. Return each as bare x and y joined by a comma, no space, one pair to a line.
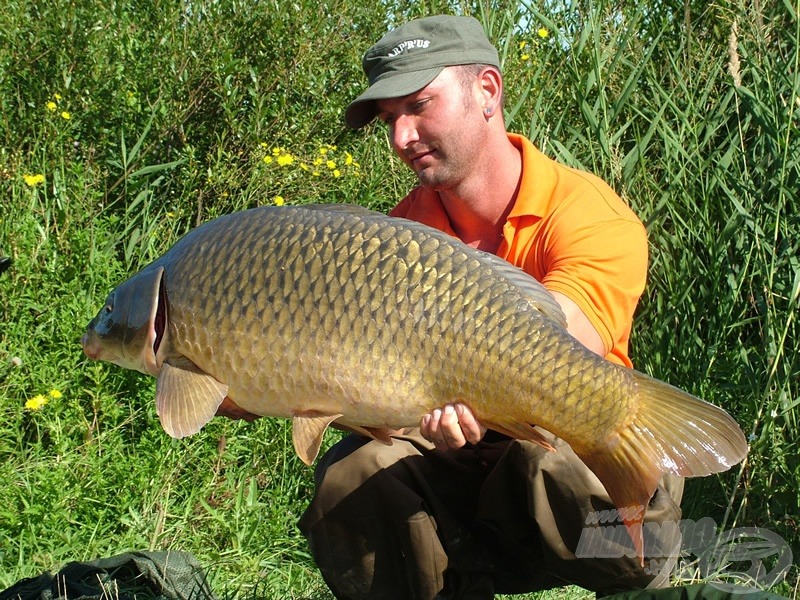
130,576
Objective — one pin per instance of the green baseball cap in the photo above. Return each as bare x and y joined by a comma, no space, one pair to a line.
408,58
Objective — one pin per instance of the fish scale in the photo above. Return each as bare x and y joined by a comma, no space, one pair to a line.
336,314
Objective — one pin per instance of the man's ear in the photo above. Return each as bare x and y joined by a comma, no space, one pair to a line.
491,89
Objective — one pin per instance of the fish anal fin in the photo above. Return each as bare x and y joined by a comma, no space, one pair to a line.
308,429
380,434
520,431
186,397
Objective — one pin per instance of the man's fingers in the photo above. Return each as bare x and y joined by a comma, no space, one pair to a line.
451,426
442,428
472,430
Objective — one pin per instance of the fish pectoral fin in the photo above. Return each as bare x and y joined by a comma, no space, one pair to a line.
186,397
308,429
520,431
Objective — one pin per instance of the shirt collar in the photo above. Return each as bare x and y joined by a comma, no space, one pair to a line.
536,184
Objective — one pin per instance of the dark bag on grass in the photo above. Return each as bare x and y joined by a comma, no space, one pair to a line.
129,576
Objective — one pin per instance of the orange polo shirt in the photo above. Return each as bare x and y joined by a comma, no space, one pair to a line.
573,233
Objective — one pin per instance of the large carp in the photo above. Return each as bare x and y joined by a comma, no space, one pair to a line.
335,313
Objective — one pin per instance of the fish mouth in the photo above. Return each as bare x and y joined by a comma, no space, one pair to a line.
91,346
89,349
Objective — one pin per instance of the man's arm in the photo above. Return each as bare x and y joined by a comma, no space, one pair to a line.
579,326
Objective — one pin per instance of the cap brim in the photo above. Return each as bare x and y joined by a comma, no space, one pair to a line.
393,85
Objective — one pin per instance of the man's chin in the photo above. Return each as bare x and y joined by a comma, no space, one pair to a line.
430,179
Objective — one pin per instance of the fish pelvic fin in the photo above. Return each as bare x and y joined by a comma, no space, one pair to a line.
186,397
671,432
308,429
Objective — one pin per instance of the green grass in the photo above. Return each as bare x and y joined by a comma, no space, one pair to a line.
173,109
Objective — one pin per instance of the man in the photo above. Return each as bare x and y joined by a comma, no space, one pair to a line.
451,510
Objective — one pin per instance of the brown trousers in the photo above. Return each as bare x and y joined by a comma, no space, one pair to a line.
506,516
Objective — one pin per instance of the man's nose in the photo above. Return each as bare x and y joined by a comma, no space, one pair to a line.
403,132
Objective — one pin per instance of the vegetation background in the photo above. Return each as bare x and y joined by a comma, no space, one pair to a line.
125,124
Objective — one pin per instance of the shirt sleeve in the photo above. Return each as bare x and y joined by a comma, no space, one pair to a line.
595,253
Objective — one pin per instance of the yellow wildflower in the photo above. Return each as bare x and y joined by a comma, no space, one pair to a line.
323,151
348,159
285,159
263,144
36,402
57,96
337,173
278,201
543,33
66,115
33,180
330,164
51,106
55,394
525,57
267,159
522,44
276,150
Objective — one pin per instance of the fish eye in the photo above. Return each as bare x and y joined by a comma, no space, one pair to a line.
109,308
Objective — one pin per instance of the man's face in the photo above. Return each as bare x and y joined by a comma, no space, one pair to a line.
434,130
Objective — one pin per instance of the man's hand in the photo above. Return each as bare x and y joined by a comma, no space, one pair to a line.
451,427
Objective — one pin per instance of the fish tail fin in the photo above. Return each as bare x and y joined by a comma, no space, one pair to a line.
672,432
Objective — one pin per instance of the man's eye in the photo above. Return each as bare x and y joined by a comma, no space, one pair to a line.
419,105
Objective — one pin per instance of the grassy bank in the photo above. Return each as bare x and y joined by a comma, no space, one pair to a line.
123,125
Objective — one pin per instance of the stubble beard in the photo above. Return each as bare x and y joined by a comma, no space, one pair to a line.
443,174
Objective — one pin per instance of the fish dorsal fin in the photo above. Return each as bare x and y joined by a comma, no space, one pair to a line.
308,428
186,397
534,292
351,209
